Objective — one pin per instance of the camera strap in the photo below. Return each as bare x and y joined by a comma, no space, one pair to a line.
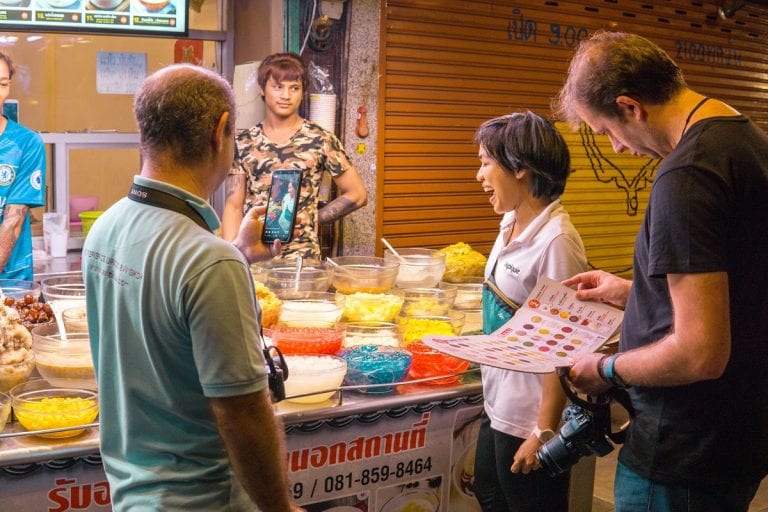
600,406
162,199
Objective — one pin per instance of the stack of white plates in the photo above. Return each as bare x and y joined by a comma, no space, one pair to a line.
322,110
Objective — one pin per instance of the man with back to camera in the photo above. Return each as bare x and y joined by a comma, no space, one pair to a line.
694,343
186,419
22,185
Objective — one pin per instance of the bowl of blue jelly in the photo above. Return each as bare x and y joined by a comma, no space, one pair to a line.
368,365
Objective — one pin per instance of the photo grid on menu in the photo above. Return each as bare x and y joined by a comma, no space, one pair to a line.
550,329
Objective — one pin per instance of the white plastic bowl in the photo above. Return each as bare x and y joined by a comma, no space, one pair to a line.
311,373
373,333
64,363
419,267
68,287
311,306
469,295
39,405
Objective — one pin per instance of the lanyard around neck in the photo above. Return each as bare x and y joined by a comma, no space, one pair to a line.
690,114
161,199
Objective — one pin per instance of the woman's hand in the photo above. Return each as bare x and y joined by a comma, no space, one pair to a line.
525,459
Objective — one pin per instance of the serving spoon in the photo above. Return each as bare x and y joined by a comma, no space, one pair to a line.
392,250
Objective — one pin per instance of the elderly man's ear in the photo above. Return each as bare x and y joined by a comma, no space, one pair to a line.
219,132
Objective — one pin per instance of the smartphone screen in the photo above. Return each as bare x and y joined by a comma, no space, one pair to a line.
281,205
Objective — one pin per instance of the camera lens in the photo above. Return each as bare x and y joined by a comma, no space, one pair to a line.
556,457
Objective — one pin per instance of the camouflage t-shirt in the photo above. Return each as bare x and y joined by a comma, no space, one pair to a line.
312,149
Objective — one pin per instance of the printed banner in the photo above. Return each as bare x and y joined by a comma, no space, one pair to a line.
55,486
411,459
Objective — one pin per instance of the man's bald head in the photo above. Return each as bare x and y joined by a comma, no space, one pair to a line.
177,109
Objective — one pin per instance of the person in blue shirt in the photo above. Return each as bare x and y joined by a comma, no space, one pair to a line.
22,185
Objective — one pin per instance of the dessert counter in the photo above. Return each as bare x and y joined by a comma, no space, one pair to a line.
409,448
413,444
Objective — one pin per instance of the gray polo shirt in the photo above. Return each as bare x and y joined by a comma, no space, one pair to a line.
173,319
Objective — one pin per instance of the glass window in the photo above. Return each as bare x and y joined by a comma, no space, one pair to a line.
57,87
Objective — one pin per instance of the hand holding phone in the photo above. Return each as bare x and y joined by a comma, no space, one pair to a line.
282,203
249,237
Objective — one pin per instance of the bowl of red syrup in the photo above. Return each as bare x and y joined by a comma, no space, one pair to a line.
428,362
309,338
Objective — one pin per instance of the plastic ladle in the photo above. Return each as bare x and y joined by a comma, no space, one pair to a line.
299,266
392,250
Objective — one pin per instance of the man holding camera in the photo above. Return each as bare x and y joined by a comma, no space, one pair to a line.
694,344
186,418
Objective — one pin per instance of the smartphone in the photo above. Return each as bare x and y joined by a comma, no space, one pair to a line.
281,205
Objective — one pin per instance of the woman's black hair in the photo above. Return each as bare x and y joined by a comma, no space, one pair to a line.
524,140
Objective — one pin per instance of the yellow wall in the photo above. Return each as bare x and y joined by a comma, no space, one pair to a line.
606,197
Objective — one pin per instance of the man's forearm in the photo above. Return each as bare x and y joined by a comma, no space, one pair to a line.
13,219
336,209
256,448
232,216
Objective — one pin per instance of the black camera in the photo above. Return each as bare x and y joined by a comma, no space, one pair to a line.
277,371
586,430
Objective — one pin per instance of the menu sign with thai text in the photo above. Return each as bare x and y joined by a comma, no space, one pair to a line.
157,17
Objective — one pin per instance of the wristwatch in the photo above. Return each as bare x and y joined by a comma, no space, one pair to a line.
543,435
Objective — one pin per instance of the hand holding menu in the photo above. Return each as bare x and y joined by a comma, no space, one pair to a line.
550,329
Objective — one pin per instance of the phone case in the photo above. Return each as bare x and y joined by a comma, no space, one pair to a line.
281,205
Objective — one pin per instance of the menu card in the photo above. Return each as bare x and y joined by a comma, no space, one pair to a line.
551,329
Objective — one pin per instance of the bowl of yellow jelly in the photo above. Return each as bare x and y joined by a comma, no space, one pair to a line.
40,407
372,307
416,327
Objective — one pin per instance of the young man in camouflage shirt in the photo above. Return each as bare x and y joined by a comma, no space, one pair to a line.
284,140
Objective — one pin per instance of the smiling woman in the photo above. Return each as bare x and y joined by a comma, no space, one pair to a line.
524,164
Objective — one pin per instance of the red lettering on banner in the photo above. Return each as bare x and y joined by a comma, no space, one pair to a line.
355,450
299,460
81,497
338,453
70,496
54,496
101,493
360,448
319,457
373,447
